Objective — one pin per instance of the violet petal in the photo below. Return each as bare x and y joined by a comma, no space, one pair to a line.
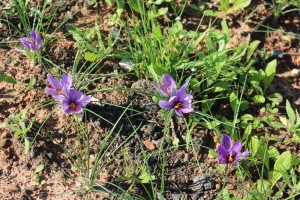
236,149
226,142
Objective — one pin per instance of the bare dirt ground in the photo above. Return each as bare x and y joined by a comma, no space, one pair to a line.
183,172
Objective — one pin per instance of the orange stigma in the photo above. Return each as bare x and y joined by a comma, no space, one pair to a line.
178,105
73,105
59,92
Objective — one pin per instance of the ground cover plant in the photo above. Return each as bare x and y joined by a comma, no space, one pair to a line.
158,99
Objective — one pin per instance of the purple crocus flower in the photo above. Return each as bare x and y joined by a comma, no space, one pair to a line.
181,102
34,43
58,89
74,101
168,86
228,153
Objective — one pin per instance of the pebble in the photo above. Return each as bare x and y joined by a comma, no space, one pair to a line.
49,155
218,186
208,186
295,72
24,197
16,163
126,64
186,157
13,187
3,173
230,186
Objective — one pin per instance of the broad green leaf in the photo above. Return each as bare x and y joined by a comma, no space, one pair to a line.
274,176
244,105
91,56
259,99
18,132
225,28
211,46
175,28
283,162
221,86
134,5
213,153
145,177
9,126
162,11
42,182
175,142
276,97
254,143
8,79
111,3
263,186
247,117
270,73
248,131
273,152
27,145
39,168
251,48
120,6
225,194
263,153
224,5
239,4
233,102
283,120
153,73
290,112
211,13
75,32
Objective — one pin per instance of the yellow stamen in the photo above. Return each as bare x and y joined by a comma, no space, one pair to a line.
230,159
178,105
73,105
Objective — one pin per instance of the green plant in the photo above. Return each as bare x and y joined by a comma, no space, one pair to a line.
36,175
230,6
20,125
270,174
292,124
282,7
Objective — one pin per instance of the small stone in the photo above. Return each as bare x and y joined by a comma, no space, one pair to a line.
218,186
13,187
186,157
16,163
295,72
208,186
126,64
24,197
230,186
50,155
3,173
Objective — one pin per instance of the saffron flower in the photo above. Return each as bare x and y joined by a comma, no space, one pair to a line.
181,102
168,86
58,89
230,153
34,43
74,101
